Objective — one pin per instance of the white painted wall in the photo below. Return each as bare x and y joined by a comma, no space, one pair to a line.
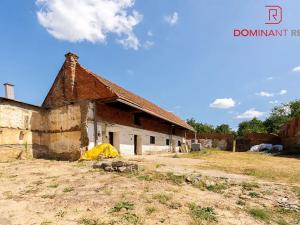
124,139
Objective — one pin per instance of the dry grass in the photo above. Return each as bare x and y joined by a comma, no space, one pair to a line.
274,168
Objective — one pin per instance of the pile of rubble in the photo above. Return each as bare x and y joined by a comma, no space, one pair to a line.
284,203
116,166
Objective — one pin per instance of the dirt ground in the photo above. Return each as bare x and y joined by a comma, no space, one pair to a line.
166,190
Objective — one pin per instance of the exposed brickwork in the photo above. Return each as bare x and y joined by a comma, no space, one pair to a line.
290,135
125,117
75,83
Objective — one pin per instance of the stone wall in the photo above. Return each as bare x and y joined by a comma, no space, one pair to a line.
225,141
213,140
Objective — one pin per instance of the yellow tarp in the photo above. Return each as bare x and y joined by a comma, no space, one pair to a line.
101,151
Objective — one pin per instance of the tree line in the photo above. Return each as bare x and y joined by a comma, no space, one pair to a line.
272,124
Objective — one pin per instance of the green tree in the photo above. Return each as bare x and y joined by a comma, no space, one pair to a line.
253,126
223,129
201,127
205,128
282,114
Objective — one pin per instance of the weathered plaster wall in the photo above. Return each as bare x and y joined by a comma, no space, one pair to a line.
59,133
64,132
19,128
110,119
124,139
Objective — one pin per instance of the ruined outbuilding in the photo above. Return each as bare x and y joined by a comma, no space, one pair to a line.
290,135
82,110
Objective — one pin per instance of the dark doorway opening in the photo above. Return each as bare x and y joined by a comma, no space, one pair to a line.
135,144
111,138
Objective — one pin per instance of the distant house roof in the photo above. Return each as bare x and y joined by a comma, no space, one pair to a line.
12,101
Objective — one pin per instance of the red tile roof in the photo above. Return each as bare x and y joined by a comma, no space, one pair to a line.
140,102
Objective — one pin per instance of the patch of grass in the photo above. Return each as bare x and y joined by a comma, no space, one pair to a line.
296,190
175,205
48,196
291,215
8,195
37,183
249,186
200,214
253,194
150,209
87,221
122,205
68,189
176,156
162,198
262,166
52,186
282,222
260,213
218,187
46,222
241,202
200,184
176,179
145,177
60,213
131,218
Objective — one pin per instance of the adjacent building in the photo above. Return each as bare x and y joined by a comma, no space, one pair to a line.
290,135
82,110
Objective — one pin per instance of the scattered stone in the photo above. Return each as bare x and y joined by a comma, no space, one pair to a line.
101,165
121,169
209,183
283,203
117,166
193,179
109,169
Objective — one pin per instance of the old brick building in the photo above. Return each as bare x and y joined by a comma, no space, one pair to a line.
82,110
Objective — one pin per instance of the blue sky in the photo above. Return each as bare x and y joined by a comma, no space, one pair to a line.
180,54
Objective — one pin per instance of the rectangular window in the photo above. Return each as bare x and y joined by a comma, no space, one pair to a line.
179,143
167,141
152,140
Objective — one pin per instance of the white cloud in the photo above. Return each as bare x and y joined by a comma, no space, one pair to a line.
265,94
90,20
172,19
274,102
296,69
148,44
282,92
250,114
270,78
149,33
223,103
